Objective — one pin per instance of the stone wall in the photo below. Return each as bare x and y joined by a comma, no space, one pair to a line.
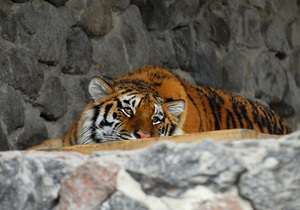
49,50
208,175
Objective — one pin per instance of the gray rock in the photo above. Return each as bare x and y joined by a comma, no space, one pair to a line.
207,70
57,3
235,68
76,8
164,175
118,5
34,132
20,1
53,101
258,3
134,36
3,140
278,170
4,63
167,14
79,53
198,164
23,73
291,98
285,9
12,109
283,109
97,18
294,32
271,78
161,50
295,68
77,88
275,39
184,40
202,32
43,30
185,75
32,180
109,56
120,201
220,32
249,28
7,27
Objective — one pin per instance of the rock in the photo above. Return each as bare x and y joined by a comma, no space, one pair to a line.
117,5
258,3
283,8
20,1
12,109
294,34
200,164
76,8
202,32
270,77
221,204
109,56
207,70
97,18
88,186
183,40
134,36
235,69
278,170
23,72
241,174
118,199
249,28
79,52
4,62
57,3
167,14
54,100
32,180
34,132
77,88
162,42
275,39
3,140
185,75
220,32
43,30
8,27
283,109
295,68
291,98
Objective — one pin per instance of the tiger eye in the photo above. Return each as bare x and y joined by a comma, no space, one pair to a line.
127,111
155,120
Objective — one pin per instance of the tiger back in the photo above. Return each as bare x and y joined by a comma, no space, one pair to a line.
153,102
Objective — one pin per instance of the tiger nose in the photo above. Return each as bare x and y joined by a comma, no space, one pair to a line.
141,134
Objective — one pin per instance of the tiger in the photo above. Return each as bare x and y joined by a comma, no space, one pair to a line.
152,101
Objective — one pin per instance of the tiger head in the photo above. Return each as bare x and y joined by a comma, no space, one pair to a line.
128,112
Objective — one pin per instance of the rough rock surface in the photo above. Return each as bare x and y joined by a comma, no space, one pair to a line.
50,49
241,175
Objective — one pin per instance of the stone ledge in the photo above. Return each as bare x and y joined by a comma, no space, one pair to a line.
243,174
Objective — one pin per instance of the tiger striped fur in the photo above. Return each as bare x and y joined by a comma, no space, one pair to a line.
153,102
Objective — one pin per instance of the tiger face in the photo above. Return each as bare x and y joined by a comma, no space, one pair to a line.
128,113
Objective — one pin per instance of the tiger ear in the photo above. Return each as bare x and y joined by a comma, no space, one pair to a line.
98,88
176,107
